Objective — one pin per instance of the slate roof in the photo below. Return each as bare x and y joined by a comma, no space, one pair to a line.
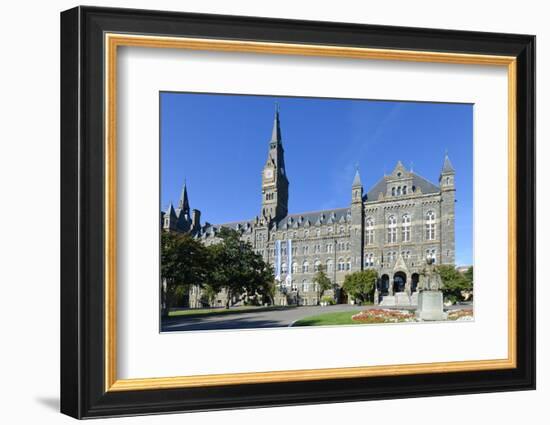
419,182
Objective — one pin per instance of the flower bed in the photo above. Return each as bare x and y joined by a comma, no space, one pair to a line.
383,315
461,315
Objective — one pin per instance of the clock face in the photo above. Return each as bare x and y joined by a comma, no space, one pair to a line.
268,173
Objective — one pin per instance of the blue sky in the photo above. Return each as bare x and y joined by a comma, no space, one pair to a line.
219,144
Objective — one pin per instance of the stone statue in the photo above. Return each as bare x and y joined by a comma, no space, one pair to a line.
430,280
430,297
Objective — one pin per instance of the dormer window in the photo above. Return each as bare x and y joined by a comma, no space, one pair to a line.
399,174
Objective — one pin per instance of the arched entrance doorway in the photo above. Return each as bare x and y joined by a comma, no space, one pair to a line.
414,282
384,285
399,281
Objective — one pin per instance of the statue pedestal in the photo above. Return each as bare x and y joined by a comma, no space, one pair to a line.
388,300
402,298
430,306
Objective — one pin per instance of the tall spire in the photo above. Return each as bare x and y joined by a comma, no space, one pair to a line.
184,200
276,133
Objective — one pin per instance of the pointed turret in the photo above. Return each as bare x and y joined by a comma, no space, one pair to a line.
170,218
357,179
171,212
183,205
447,166
446,177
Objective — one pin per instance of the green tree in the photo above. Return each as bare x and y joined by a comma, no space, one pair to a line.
184,262
454,283
360,285
238,270
322,281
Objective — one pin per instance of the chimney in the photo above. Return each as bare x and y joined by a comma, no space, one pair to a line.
196,219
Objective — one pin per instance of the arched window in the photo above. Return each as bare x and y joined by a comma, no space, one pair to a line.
406,255
305,286
406,228
341,229
348,264
330,266
283,268
430,226
347,246
340,264
369,236
393,191
317,265
305,267
369,260
404,190
329,230
329,248
392,229
306,233
399,191
294,267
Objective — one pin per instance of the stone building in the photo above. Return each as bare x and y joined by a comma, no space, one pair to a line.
393,228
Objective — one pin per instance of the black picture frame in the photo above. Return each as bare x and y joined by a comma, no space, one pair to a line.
83,392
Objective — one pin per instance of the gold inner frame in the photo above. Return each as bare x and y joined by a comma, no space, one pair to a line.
113,41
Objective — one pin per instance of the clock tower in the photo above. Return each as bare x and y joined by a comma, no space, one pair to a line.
274,180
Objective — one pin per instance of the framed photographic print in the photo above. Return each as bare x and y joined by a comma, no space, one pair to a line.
261,212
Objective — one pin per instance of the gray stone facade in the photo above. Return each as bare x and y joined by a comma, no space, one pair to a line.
393,227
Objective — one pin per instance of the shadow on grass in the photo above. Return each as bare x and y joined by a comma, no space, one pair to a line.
177,315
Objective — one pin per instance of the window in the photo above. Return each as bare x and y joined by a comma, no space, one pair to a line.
404,190
348,264
406,228
431,253
430,226
329,230
406,255
370,231
393,191
341,229
294,268
305,250
305,267
329,266
317,265
399,190
340,264
317,248
305,286
318,232
347,246
369,260
392,229
329,248
306,233
283,268
392,256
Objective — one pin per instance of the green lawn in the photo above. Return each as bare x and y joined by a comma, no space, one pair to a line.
220,310
340,318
